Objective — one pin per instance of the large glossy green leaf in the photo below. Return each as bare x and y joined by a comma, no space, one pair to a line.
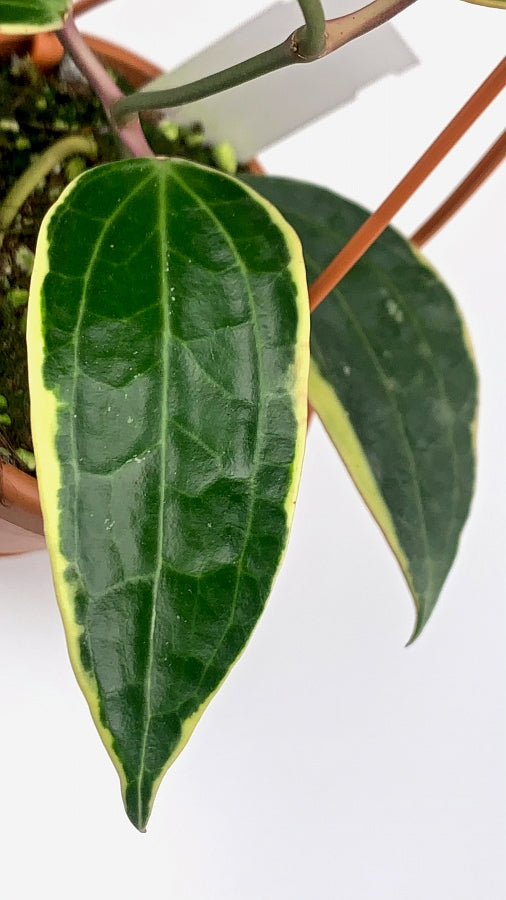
393,380
30,16
169,352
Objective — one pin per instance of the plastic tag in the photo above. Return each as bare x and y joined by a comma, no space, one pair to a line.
255,115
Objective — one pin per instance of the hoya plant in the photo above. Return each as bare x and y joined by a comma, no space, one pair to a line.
173,359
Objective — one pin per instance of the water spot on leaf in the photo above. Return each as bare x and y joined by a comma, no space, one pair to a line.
394,311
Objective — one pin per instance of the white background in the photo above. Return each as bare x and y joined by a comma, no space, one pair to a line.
334,763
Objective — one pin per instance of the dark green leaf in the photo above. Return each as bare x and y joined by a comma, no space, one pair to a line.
169,349
393,380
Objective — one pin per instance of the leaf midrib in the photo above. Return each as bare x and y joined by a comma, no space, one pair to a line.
252,492
166,344
417,324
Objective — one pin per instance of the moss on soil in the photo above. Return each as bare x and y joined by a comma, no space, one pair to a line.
37,110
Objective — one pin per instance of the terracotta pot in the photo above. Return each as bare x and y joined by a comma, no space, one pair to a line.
21,525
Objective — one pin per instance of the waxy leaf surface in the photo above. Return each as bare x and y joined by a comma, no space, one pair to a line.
393,381
30,16
169,353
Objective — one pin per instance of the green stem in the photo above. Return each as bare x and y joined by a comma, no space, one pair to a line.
295,49
312,37
268,61
25,185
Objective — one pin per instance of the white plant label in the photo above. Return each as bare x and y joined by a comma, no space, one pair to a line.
255,115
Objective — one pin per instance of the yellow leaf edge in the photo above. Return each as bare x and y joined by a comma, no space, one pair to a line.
337,424
44,419
495,4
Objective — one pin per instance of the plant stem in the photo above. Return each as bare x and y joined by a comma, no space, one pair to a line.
20,191
268,61
486,165
346,28
295,49
106,89
312,37
379,220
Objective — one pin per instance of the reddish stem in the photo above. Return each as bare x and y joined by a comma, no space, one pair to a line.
487,164
379,220
106,89
346,28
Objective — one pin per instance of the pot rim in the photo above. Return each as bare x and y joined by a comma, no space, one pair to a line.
111,53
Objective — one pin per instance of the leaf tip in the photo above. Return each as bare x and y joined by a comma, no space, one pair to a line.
136,808
423,614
